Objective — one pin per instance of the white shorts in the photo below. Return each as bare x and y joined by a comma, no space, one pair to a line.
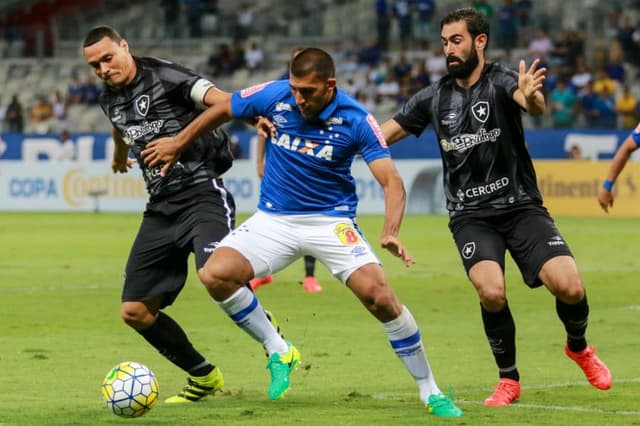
270,242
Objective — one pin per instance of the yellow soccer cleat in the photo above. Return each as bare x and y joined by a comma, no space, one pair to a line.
199,387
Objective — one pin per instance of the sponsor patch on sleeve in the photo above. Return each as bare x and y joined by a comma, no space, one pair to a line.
245,93
373,123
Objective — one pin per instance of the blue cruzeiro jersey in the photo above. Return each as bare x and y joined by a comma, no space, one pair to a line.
308,163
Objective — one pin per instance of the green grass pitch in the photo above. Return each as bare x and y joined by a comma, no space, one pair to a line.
60,332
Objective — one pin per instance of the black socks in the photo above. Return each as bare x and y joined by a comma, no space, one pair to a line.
575,318
501,333
171,341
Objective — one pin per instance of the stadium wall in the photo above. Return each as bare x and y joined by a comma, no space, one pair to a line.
29,180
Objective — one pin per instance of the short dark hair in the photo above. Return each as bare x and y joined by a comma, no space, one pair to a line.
98,33
312,59
476,21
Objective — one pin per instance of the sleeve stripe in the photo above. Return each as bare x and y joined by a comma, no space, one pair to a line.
376,130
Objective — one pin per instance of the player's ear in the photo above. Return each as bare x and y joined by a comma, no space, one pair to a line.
331,83
481,41
124,44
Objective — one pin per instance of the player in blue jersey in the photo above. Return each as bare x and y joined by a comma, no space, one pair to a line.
310,283
308,201
630,144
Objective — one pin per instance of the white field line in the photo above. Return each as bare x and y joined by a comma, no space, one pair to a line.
534,406
561,408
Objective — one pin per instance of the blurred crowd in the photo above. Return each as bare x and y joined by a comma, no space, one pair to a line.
594,86
48,113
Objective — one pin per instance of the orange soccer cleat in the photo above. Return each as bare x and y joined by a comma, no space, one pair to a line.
506,392
597,373
311,285
258,281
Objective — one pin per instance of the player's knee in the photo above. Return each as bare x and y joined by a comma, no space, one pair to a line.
136,315
569,289
384,304
493,298
211,276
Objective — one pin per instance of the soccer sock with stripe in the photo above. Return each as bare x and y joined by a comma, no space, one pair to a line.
405,340
575,319
245,310
171,341
501,334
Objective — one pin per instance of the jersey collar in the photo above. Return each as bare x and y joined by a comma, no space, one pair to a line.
330,109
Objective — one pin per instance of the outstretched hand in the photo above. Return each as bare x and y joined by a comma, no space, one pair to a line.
530,80
165,151
396,248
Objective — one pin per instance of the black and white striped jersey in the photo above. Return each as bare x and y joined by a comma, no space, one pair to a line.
162,99
481,140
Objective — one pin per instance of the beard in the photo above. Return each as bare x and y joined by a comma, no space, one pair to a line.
464,68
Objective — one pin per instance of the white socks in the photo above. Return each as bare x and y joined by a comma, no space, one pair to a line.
405,340
245,310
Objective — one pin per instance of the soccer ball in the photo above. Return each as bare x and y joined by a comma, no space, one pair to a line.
130,389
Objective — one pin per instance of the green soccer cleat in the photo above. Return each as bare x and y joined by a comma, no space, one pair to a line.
281,366
199,387
443,406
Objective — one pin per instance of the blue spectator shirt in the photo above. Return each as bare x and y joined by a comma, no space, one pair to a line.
308,162
426,9
635,135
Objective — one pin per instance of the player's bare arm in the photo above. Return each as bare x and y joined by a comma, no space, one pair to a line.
395,198
260,151
264,127
530,81
167,150
392,131
605,196
121,162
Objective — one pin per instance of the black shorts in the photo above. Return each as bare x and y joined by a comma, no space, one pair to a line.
193,221
529,234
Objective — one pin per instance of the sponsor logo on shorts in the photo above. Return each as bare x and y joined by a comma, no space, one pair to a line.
359,251
347,234
211,247
556,241
468,250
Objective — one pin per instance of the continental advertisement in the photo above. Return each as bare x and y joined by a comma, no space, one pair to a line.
570,187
